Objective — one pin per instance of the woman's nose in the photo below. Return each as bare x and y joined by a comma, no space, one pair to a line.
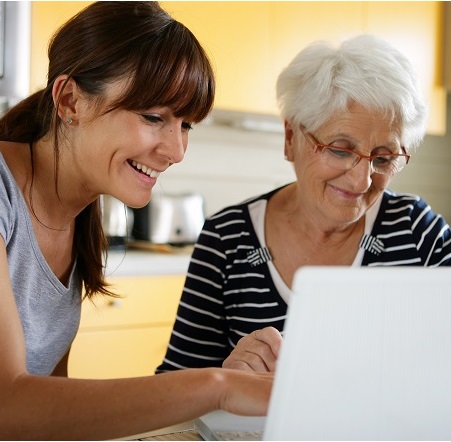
361,174
175,143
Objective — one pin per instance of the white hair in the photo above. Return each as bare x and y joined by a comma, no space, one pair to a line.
322,80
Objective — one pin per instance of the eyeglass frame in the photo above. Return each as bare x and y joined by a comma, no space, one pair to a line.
317,145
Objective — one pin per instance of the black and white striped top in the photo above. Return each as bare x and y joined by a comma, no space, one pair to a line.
229,291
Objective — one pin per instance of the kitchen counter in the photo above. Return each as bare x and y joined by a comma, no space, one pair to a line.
132,262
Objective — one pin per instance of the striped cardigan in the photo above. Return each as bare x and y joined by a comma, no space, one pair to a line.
229,291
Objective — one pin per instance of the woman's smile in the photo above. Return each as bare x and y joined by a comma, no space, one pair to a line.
146,175
347,194
142,168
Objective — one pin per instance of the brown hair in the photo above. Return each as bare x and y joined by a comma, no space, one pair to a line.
164,64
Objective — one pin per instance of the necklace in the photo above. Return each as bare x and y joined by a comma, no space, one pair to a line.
30,195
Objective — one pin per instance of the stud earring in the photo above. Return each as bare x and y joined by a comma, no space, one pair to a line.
69,120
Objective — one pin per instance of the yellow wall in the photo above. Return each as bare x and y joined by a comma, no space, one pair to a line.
250,42
46,18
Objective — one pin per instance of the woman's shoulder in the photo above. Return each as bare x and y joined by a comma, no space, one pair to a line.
9,200
401,208
16,160
233,222
241,208
8,185
393,201
410,233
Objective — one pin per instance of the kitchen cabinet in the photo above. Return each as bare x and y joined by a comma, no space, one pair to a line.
249,43
418,30
127,336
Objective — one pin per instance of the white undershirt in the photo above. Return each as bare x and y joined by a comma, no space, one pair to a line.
257,212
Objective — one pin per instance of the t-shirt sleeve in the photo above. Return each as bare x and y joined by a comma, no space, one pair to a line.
6,212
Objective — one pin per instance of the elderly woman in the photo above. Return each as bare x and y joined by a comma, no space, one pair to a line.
353,116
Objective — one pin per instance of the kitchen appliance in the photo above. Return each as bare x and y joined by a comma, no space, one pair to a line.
15,50
174,219
117,220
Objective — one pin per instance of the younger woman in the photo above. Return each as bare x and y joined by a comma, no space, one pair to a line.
125,83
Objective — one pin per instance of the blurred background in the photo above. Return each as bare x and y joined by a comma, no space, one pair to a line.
238,152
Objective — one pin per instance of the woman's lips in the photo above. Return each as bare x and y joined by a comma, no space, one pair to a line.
346,193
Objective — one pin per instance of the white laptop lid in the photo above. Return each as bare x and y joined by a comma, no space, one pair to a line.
366,356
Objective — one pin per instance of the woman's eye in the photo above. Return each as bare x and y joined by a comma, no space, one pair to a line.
383,160
152,118
339,153
187,126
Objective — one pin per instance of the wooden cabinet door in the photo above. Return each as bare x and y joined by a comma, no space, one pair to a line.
251,42
127,352
416,28
145,300
128,336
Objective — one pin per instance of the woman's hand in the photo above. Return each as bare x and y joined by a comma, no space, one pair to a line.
257,351
245,394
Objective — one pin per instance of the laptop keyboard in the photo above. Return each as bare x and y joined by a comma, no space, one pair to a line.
240,435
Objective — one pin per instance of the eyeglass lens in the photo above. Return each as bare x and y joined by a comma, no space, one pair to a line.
345,160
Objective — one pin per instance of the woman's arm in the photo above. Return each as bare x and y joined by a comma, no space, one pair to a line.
50,407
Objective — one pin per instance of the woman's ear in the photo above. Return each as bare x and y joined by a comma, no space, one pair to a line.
289,135
66,95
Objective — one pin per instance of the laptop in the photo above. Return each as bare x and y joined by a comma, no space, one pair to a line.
366,356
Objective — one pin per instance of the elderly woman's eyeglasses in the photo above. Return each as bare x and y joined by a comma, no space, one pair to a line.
345,159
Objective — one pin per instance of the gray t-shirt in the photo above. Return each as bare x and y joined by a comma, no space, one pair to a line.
49,311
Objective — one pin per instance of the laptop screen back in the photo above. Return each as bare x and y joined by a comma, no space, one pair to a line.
366,356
